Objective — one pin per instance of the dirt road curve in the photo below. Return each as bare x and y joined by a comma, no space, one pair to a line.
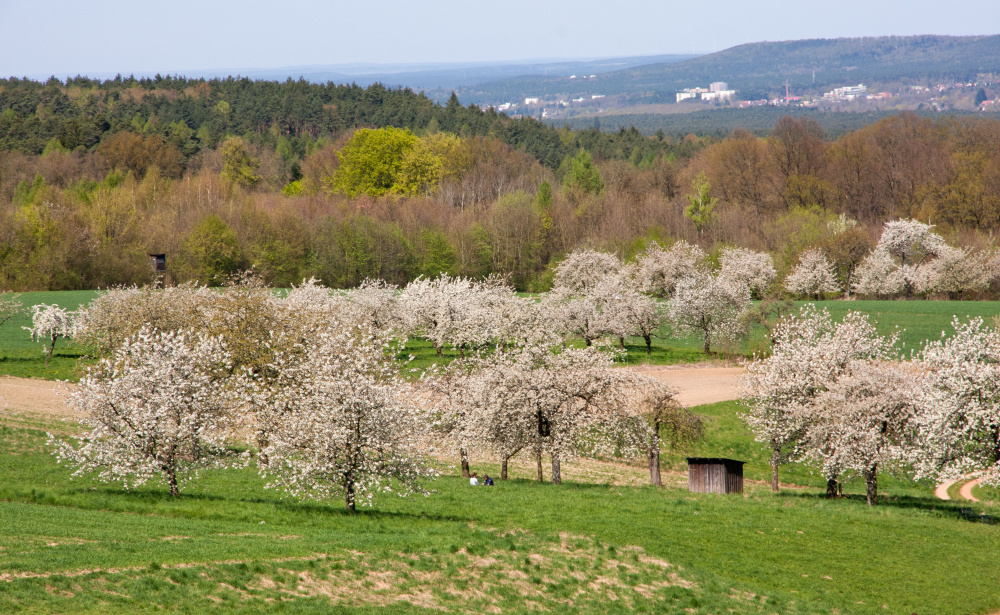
699,385
966,491
941,492
26,395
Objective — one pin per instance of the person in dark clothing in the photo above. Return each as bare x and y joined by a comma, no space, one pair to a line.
487,482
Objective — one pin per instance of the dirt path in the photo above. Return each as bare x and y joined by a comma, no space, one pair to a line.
966,490
941,492
699,385
30,396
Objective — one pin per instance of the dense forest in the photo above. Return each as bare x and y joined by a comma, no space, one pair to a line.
344,183
290,116
720,122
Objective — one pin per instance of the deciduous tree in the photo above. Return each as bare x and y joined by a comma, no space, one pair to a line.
812,276
48,324
347,429
156,408
710,306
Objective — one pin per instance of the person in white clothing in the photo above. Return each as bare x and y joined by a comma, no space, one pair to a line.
474,481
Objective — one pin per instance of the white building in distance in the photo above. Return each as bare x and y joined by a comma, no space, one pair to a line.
718,95
718,86
687,93
847,92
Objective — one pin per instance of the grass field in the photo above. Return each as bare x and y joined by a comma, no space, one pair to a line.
917,321
19,356
230,545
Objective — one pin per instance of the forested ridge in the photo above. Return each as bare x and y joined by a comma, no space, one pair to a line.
346,183
195,113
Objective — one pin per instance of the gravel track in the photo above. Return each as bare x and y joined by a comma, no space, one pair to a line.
699,385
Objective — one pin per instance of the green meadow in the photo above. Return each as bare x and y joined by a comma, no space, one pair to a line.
228,544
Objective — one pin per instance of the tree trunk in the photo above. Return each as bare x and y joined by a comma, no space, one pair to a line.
587,339
438,349
172,480
649,345
52,348
350,495
871,485
556,470
831,487
621,342
465,462
538,461
503,468
654,461
708,342
775,460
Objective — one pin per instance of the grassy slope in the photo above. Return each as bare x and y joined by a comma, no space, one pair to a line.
780,547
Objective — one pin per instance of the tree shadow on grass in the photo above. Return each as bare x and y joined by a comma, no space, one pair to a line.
944,508
158,502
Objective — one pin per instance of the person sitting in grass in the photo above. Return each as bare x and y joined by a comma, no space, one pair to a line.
474,481
488,482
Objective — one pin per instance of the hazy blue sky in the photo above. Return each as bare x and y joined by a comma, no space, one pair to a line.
42,37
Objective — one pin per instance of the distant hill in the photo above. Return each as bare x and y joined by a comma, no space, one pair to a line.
759,68
437,79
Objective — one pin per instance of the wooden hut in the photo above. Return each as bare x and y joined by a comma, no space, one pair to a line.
158,261
715,475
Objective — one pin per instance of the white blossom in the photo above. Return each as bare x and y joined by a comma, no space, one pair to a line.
960,417
864,421
741,266
810,353
156,408
710,306
376,303
568,403
813,275
911,241
583,269
658,271
48,324
911,259
10,306
957,270
878,275
345,428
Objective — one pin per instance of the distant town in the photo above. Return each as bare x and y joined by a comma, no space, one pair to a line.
942,96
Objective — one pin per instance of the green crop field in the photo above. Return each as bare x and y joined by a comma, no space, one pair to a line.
227,544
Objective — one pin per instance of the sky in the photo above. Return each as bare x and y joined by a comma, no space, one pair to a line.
69,37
